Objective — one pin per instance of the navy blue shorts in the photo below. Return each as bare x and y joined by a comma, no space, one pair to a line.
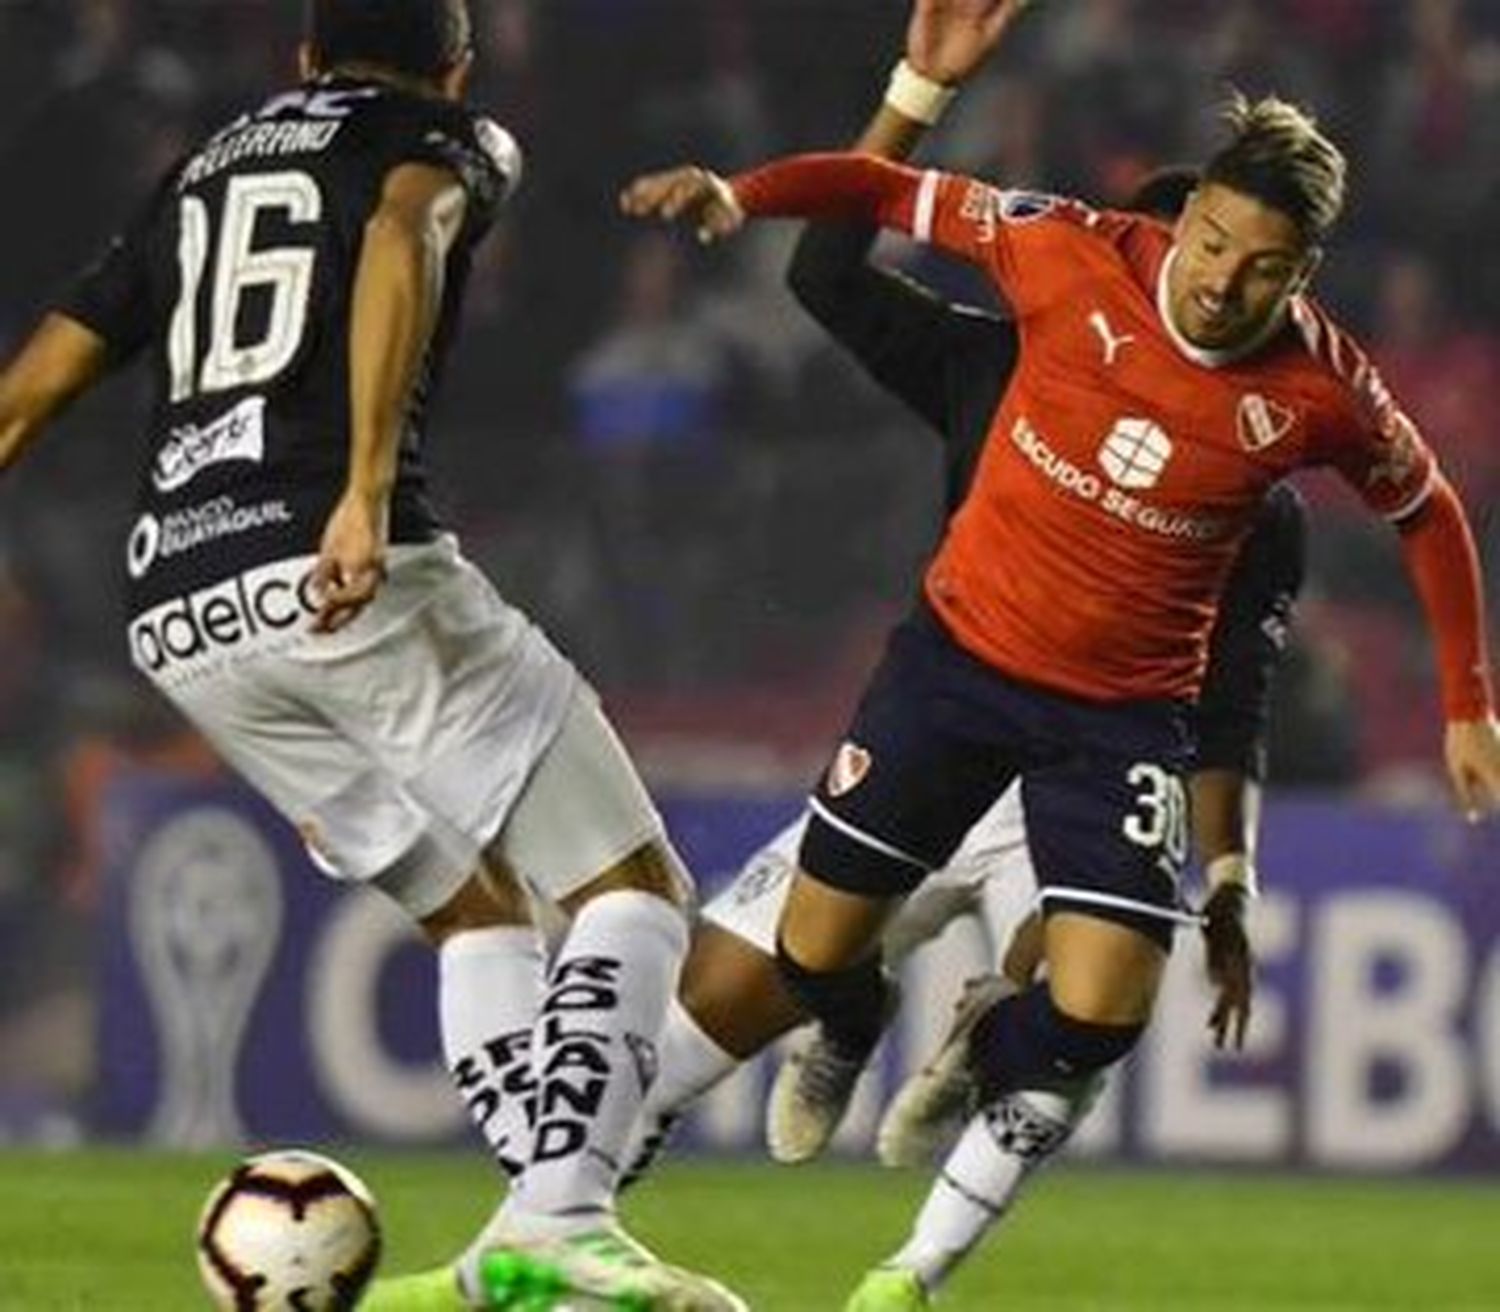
939,735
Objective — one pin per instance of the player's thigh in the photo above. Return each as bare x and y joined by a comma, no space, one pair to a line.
824,928
730,982
445,687
990,877
358,823
584,822
923,759
749,907
1101,971
1108,838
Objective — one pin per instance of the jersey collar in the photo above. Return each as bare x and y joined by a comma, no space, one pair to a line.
1209,359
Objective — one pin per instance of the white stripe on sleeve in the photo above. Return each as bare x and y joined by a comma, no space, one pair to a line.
927,190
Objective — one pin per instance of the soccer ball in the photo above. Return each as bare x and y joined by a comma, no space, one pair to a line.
288,1231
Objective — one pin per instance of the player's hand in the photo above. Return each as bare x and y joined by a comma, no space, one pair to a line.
690,193
1230,964
948,39
1473,751
351,560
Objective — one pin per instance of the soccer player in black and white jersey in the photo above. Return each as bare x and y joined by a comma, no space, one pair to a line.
295,282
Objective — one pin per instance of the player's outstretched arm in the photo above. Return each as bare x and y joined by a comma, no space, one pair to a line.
1226,814
1441,559
946,40
909,339
60,360
398,292
690,193
1233,723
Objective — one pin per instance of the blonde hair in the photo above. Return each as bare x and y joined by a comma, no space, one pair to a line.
1277,154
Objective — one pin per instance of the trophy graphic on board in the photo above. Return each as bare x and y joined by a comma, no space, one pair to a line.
205,919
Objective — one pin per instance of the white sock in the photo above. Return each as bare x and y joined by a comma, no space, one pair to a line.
691,1064
489,989
594,1053
982,1175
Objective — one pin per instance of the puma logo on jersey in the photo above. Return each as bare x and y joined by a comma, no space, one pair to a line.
1112,344
1263,422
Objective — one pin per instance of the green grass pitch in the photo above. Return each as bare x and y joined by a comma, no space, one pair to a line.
110,1231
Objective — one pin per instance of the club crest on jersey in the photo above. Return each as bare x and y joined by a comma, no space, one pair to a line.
851,763
1263,422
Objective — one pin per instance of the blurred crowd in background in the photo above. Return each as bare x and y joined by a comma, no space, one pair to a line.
649,446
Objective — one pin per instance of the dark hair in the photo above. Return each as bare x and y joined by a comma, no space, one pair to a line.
1278,156
1163,192
420,38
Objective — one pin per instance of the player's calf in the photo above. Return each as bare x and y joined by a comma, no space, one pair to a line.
851,1004
815,1084
1027,1042
982,1176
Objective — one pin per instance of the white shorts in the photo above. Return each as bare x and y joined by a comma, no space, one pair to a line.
990,874
403,745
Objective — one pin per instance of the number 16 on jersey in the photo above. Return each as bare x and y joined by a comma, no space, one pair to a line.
283,275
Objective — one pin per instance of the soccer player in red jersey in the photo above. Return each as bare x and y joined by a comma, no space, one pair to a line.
1168,378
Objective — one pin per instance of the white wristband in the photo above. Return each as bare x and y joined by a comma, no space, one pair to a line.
916,96
1234,868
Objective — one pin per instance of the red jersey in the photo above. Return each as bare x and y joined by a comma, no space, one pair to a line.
1124,466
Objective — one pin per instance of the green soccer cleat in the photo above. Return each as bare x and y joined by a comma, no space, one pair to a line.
888,1289
602,1270
515,1283
508,1282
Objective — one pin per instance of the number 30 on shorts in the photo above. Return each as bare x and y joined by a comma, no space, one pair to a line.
1160,817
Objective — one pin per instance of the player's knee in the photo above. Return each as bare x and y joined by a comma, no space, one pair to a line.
654,867
1086,1046
482,902
1027,1041
852,1004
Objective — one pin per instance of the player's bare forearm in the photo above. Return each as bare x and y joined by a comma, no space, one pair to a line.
398,289
1226,813
1226,818
890,135
60,360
